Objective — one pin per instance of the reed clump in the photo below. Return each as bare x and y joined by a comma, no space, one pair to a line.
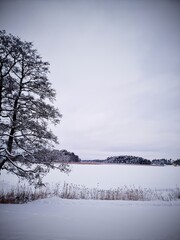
24,194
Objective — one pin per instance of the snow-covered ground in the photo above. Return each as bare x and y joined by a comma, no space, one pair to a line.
60,219
64,219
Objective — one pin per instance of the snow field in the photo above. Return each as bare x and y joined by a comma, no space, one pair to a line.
108,176
60,219
114,176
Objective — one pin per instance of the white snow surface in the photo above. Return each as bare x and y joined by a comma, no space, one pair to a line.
114,175
109,176
60,219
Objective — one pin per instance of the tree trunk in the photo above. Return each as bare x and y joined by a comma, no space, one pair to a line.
2,163
1,89
13,128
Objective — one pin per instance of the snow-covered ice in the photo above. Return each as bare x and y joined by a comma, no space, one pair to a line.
110,176
60,219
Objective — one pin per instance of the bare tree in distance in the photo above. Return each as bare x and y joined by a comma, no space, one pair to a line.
26,109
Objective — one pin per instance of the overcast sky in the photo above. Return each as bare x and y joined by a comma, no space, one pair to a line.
116,68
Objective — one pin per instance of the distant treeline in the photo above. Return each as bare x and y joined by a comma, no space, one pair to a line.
65,156
135,160
55,155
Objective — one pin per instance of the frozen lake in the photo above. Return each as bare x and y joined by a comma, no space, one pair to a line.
110,176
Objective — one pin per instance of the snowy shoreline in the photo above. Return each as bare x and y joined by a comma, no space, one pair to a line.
55,218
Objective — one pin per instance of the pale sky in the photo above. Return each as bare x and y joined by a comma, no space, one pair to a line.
115,66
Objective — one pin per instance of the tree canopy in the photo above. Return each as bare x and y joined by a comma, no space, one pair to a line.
26,108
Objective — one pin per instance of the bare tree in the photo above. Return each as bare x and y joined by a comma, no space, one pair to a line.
26,109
